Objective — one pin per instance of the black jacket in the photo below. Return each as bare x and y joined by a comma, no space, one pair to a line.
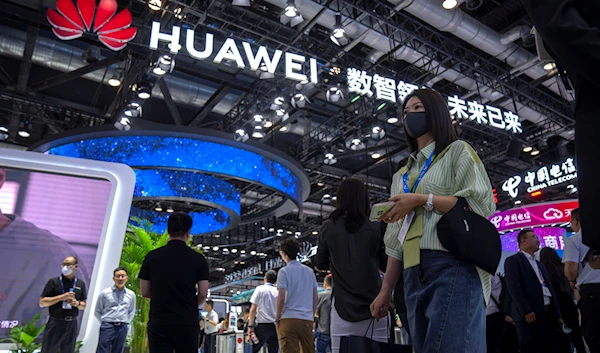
525,288
355,260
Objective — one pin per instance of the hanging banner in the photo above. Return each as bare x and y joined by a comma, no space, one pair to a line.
532,216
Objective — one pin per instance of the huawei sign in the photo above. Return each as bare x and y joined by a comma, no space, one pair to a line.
70,21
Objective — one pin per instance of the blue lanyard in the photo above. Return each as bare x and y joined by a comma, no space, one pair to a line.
423,171
63,286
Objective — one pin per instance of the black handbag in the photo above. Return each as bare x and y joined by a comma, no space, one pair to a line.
470,237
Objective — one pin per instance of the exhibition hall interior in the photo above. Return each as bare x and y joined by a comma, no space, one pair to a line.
248,115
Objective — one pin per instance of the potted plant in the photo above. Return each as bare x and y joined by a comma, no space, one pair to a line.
24,336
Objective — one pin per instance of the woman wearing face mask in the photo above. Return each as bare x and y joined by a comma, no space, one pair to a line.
444,295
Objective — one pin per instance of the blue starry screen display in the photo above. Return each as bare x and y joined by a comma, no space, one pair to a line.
186,153
167,183
203,222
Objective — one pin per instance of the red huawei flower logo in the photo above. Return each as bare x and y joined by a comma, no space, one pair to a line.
71,22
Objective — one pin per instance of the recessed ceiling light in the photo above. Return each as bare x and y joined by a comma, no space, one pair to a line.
24,133
535,152
216,248
375,155
252,252
527,149
449,4
315,232
392,120
320,184
549,66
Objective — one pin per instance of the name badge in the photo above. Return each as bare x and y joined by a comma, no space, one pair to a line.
66,306
405,226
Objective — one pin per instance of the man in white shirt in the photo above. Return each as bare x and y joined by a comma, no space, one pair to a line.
296,302
586,280
211,321
262,314
535,309
115,309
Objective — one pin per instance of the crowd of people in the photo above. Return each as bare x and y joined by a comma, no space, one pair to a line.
443,300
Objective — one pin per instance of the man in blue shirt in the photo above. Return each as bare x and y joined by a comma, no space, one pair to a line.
115,309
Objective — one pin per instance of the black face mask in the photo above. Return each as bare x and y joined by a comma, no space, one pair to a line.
416,124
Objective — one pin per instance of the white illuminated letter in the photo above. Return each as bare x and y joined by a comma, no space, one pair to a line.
314,74
262,55
229,51
156,35
293,62
208,45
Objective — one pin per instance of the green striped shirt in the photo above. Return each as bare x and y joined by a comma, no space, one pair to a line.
459,172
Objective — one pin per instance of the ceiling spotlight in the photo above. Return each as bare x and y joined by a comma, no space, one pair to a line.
280,112
298,233
115,80
216,248
392,120
158,208
527,149
449,4
133,110
376,155
518,202
258,132
144,90
124,124
241,135
243,252
338,30
258,119
299,100
267,123
320,184
3,133
170,210
279,100
290,9
234,251
263,72
163,65
377,132
252,252
334,94
549,66
329,159
225,250
535,152
279,230
304,86
570,186
354,142
155,5
315,232
178,13
241,2
271,230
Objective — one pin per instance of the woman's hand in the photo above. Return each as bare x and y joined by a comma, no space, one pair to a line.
381,304
404,204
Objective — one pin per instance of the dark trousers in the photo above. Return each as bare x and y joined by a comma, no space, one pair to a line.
570,315
210,343
166,339
323,342
494,326
539,336
589,305
266,334
112,338
510,340
59,335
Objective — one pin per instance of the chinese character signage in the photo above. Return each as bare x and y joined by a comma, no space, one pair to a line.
549,238
386,89
534,215
542,178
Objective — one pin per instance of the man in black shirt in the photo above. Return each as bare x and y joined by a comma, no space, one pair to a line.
168,277
64,296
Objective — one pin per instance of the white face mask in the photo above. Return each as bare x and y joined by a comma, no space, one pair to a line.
66,270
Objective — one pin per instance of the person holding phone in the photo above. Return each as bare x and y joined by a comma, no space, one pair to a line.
445,295
64,296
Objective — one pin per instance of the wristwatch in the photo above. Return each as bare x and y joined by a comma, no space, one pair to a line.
428,206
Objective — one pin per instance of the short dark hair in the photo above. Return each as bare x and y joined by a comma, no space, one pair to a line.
522,234
328,280
352,204
120,269
210,302
271,276
246,311
575,214
436,111
290,247
179,224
